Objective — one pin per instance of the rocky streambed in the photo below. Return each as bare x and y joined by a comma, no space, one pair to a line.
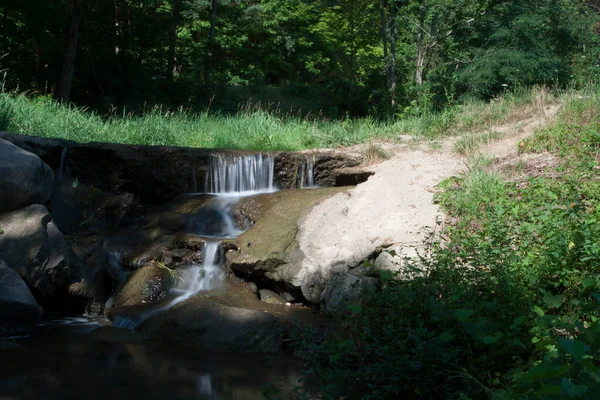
182,247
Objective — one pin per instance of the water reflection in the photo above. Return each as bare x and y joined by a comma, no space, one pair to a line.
112,363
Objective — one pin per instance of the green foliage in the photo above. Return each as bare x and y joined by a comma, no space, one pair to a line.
320,57
506,308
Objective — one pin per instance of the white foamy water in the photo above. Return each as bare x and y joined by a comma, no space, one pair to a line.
306,173
239,173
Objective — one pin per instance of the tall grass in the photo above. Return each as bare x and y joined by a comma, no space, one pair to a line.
251,129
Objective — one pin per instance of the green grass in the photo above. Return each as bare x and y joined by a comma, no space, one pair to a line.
469,143
251,129
508,304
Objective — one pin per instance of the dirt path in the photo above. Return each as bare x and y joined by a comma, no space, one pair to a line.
393,206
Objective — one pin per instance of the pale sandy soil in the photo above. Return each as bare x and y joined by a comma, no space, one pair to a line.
396,203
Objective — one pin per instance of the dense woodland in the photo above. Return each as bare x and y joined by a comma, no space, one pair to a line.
334,57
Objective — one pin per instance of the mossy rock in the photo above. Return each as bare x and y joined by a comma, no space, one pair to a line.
271,241
149,284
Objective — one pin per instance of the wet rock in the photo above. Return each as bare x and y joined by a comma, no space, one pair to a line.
209,221
155,174
288,297
251,286
33,246
172,250
94,281
183,204
149,284
247,211
24,178
172,221
345,289
268,250
19,312
212,323
325,163
270,297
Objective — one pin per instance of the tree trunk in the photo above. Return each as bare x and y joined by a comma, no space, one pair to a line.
420,64
393,35
384,38
211,39
421,50
63,90
171,53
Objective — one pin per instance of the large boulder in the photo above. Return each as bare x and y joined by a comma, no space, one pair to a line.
24,178
19,312
224,320
269,250
33,246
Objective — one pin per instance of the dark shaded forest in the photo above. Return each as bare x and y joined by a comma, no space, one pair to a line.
338,58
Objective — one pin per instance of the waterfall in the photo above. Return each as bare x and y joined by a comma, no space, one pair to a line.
196,278
236,174
306,178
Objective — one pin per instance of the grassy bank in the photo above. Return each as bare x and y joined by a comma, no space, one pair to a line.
509,306
251,128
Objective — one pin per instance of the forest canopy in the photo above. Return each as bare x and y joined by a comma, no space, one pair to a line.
334,57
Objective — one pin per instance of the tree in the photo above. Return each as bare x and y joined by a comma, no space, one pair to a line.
388,36
65,81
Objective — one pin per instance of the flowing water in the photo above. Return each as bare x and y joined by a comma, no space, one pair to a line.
229,178
306,176
88,358
240,175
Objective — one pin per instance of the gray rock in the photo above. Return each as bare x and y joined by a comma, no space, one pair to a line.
269,297
401,260
288,296
24,178
251,286
33,246
345,289
173,221
19,312
206,323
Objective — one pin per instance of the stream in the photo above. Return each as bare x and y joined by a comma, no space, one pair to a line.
92,358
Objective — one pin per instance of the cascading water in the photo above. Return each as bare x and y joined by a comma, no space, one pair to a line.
228,178
239,174
199,278
306,178
196,278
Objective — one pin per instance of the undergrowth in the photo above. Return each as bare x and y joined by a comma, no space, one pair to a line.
508,304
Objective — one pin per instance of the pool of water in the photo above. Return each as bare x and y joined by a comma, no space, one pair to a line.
88,359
